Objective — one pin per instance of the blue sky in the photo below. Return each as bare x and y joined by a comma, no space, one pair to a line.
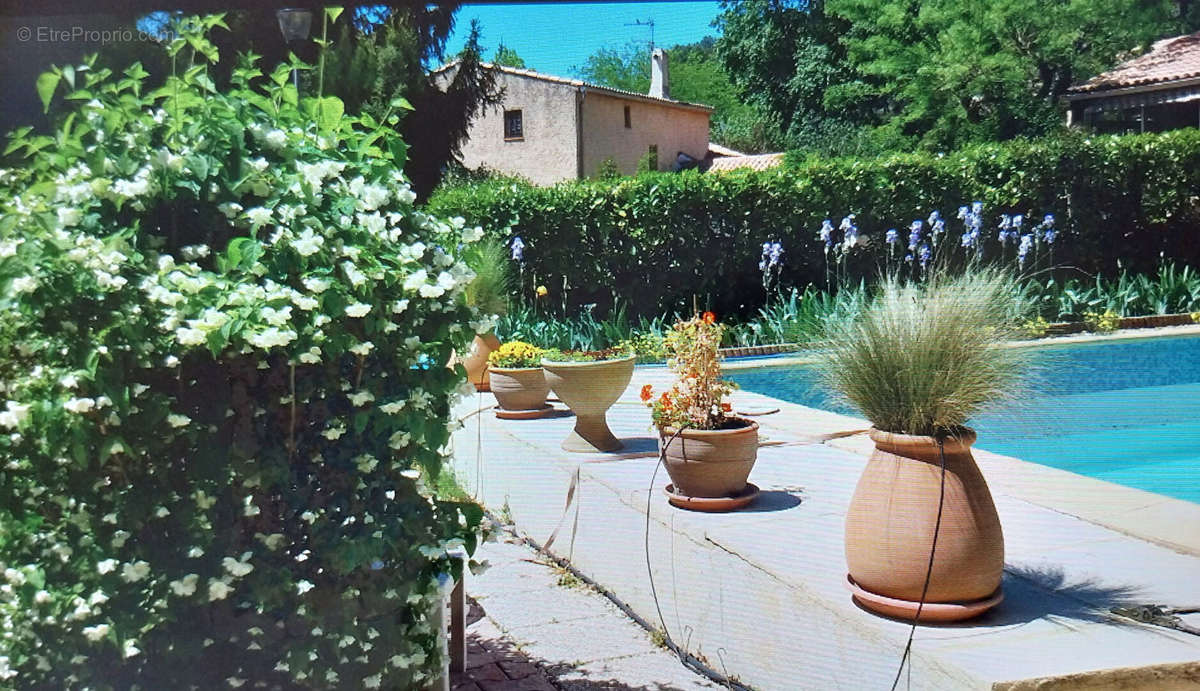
553,38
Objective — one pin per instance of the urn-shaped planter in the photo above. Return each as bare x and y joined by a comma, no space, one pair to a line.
476,361
521,389
890,530
589,389
710,463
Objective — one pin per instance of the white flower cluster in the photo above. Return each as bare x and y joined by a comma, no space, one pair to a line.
330,267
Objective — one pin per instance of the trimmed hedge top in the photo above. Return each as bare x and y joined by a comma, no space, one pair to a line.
660,241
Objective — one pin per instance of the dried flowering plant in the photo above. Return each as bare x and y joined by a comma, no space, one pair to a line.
697,399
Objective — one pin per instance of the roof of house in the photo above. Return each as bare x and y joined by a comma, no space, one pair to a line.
718,150
607,90
754,162
1169,60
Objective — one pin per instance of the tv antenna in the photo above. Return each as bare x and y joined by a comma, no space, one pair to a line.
649,23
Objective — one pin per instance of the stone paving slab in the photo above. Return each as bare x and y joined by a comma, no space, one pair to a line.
761,593
533,628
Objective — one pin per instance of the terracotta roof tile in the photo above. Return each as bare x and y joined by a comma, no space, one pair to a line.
1169,60
755,162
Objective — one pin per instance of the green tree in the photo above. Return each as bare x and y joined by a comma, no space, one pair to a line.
508,57
948,72
627,69
783,56
380,61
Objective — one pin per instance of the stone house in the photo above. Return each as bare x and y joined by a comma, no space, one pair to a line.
1154,92
550,129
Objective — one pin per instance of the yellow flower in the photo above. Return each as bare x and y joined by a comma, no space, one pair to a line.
542,292
516,354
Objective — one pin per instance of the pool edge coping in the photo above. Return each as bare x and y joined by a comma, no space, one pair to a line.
1155,518
801,357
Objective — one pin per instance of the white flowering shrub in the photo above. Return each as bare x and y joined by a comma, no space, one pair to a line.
223,329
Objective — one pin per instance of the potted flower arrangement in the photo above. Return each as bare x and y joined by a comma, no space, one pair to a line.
589,382
487,294
923,539
707,451
517,380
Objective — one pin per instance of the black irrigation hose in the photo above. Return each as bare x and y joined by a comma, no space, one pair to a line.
937,526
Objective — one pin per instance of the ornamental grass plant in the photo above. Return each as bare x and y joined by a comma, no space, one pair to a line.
923,359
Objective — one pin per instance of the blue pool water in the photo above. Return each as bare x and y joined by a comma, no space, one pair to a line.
1124,411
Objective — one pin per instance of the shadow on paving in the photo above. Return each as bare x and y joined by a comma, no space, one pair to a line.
495,663
1032,593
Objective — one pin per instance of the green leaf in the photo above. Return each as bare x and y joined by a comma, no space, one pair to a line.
333,13
326,112
401,103
68,73
47,82
216,342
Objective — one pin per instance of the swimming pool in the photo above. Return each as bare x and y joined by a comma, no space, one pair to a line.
1125,411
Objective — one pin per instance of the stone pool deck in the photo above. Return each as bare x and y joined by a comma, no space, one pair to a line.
759,594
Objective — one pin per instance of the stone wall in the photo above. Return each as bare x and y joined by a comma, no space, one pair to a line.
671,128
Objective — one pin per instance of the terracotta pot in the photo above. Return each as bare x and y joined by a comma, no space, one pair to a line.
476,361
890,522
519,388
710,463
589,389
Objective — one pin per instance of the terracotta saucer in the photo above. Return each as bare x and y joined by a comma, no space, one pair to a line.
932,612
712,504
523,414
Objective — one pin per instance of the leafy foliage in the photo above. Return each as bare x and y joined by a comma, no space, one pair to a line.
924,358
224,325
508,57
488,292
668,243
1173,290
382,74
947,73
860,77
785,58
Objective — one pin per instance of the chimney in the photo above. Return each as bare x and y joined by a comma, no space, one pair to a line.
660,86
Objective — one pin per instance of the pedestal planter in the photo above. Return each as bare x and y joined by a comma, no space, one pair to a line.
710,463
519,390
890,527
589,389
476,361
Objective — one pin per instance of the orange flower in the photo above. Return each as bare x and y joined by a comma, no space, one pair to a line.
709,318
725,407
646,392
664,400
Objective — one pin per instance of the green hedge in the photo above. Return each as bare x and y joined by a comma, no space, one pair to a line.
659,241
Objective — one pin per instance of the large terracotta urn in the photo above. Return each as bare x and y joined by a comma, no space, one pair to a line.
476,361
890,529
519,389
710,463
589,389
